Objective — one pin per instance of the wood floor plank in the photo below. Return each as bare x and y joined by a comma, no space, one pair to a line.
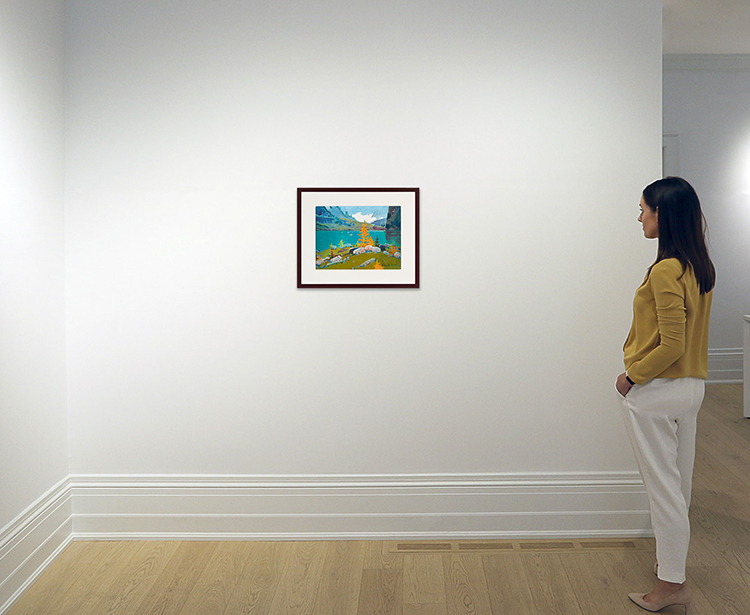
592,585
259,581
509,590
425,609
625,573
549,585
90,587
726,444
700,603
721,590
341,581
135,580
703,551
219,579
714,472
725,403
424,582
465,585
721,533
172,588
381,592
379,557
301,579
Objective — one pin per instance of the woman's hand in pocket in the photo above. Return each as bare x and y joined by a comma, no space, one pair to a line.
622,385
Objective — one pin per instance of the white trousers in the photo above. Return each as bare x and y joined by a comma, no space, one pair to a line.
660,417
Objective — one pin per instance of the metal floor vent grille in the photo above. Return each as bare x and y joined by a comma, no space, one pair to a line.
522,546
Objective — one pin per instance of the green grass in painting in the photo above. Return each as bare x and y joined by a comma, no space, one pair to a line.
353,261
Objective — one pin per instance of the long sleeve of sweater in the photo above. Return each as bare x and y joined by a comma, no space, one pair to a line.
669,335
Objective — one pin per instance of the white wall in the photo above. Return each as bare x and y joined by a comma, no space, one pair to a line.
531,130
33,424
707,104
35,511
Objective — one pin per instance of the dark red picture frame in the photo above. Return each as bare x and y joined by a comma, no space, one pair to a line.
310,276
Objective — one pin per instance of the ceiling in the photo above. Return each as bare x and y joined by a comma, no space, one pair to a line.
707,26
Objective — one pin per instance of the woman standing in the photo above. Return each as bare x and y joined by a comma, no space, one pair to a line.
666,362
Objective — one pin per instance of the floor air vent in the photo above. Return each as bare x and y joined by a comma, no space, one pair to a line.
522,546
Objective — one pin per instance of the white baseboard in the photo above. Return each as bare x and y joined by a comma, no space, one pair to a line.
725,366
32,541
359,507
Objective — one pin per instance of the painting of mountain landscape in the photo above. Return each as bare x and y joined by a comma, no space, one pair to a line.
358,237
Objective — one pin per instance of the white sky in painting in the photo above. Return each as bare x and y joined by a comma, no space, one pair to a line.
366,213
360,217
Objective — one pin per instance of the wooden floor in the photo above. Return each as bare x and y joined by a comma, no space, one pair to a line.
559,577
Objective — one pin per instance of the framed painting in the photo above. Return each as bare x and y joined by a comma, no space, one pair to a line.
357,237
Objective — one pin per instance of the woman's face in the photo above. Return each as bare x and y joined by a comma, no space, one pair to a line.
649,218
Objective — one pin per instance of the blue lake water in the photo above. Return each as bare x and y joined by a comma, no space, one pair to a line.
324,239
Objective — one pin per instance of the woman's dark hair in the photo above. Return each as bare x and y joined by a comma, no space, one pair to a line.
682,228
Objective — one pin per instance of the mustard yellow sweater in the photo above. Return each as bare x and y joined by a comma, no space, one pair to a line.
669,335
